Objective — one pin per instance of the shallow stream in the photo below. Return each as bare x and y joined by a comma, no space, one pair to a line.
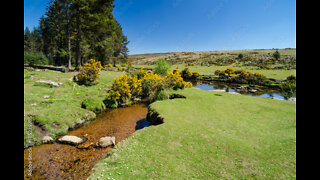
272,93
60,161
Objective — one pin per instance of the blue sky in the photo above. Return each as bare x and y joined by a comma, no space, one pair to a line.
154,26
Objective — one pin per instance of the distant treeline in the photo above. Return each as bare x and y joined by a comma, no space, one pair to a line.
73,31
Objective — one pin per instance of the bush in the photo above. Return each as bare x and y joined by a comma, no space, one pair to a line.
276,55
162,67
141,73
159,95
186,73
119,68
89,73
33,58
195,74
291,78
150,82
175,81
229,71
289,89
93,104
108,66
147,84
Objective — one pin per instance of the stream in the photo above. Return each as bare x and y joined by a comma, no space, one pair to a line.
266,92
61,161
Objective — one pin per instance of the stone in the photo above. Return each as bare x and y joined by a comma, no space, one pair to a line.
253,90
47,140
106,141
51,83
72,140
292,99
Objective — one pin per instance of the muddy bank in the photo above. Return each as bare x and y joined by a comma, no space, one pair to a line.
60,161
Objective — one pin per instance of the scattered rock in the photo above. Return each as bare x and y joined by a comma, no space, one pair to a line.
253,90
72,140
51,83
292,99
106,141
137,100
47,140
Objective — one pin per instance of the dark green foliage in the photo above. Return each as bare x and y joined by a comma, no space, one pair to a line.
159,95
74,31
162,67
93,104
33,58
276,55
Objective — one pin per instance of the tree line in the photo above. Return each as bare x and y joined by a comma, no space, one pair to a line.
73,31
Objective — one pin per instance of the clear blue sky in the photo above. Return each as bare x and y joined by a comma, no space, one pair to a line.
154,26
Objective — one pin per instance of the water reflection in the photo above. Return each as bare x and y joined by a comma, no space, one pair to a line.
236,88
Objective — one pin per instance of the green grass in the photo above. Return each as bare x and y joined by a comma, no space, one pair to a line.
207,70
180,60
60,105
210,135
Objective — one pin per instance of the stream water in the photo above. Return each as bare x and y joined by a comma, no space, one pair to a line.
60,161
272,93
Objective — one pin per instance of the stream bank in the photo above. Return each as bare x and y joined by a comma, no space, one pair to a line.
61,161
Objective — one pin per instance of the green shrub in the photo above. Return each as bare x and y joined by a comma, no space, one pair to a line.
291,78
289,89
112,103
276,55
186,73
229,71
195,74
159,95
33,58
92,104
162,67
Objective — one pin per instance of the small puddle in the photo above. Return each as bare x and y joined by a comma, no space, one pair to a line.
60,161
234,88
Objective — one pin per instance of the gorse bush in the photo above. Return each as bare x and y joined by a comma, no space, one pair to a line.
195,74
144,84
240,76
89,73
175,81
186,73
108,66
124,88
289,87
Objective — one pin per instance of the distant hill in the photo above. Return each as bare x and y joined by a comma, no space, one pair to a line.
186,57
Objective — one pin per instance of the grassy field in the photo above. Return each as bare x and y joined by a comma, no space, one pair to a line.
55,109
207,70
181,59
209,135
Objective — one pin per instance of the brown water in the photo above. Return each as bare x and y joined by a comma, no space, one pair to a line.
59,161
